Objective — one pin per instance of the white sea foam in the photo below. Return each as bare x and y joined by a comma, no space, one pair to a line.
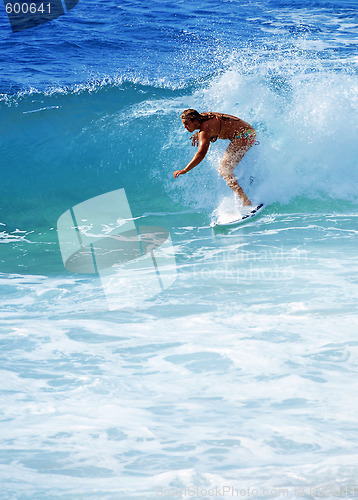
260,330
305,116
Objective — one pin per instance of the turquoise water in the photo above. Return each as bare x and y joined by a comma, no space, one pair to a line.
242,374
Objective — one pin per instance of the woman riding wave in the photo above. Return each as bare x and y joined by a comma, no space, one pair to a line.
213,126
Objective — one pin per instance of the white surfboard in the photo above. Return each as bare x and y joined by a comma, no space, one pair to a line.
232,219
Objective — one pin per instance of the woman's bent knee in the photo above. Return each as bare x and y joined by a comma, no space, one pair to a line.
229,178
226,171
222,172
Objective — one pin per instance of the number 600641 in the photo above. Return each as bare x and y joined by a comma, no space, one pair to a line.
28,8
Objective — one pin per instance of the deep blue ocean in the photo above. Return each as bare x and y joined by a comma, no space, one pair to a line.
238,377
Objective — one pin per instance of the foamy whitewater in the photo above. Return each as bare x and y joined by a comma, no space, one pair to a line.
239,379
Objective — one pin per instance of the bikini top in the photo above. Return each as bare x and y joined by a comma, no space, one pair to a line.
215,138
222,117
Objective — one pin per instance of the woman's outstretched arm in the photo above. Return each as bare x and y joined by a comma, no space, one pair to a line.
204,143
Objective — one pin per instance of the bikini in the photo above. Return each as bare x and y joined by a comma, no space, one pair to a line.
249,134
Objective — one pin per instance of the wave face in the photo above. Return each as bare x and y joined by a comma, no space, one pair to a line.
75,127
61,147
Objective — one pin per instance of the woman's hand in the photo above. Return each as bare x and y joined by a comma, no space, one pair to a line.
178,172
195,139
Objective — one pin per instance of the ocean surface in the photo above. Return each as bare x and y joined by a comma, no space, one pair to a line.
240,379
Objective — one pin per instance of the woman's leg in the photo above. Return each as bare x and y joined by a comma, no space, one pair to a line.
232,156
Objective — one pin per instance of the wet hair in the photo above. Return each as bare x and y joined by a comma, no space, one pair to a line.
192,114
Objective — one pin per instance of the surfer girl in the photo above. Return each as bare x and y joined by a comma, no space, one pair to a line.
213,126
